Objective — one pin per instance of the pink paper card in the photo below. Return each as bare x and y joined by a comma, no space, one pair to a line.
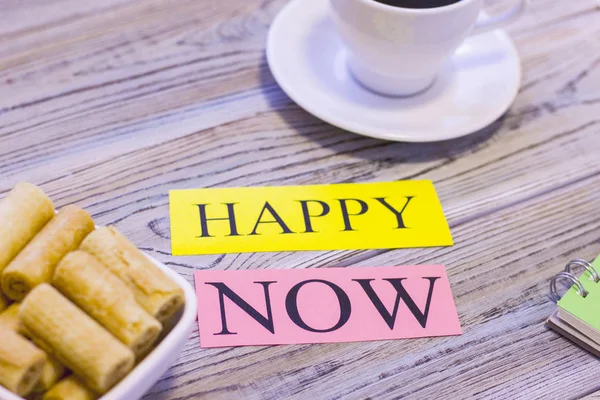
323,305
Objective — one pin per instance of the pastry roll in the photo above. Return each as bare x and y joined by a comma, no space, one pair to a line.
153,290
75,339
9,318
69,388
36,262
52,370
21,362
3,302
23,212
107,299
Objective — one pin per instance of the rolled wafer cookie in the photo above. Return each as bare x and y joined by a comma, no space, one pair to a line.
23,212
36,262
153,290
4,302
107,299
75,339
9,318
21,362
69,388
52,370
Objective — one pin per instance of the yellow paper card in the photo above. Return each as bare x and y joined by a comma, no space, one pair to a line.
314,217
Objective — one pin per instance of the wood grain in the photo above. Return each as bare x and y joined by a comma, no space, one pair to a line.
111,104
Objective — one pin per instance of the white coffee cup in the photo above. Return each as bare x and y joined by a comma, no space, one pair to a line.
399,51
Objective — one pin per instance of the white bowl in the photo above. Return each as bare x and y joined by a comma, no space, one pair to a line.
146,373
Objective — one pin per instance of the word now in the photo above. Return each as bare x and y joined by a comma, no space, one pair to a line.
323,305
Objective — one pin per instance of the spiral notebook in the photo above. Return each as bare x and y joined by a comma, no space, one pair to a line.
577,316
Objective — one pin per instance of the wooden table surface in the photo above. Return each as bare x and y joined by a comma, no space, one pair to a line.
111,104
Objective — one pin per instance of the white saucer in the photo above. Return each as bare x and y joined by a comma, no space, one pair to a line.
308,61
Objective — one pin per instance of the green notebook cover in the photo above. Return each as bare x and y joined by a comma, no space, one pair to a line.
586,308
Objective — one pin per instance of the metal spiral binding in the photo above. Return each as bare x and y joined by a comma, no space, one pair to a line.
569,276
584,264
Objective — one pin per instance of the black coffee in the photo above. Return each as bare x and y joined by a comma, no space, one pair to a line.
417,3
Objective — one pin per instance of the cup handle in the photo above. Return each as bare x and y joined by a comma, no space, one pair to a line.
497,21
